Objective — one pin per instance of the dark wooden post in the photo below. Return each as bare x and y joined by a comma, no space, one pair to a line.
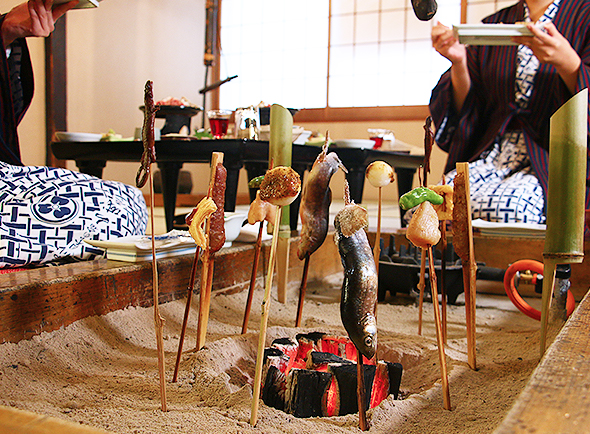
55,88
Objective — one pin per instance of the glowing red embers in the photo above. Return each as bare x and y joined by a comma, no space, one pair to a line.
316,376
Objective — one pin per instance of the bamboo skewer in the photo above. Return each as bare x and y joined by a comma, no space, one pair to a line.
205,299
144,174
443,278
421,286
187,308
264,321
377,247
361,391
158,320
428,143
253,278
208,260
302,290
439,332
464,247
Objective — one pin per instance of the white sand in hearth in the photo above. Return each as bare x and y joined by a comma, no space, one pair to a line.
102,371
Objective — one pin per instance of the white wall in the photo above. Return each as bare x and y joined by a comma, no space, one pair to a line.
114,49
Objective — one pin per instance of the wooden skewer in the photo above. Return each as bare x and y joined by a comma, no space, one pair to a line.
158,320
205,299
443,277
264,320
187,308
549,266
377,247
208,264
302,290
361,394
253,277
439,333
421,286
469,273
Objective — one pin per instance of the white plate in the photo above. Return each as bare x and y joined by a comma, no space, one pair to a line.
489,34
525,230
355,143
64,136
83,4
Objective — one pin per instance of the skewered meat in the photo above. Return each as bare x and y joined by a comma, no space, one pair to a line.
423,230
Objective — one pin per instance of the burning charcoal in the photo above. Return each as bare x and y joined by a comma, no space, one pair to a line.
334,345
273,392
308,342
304,392
287,346
381,384
395,378
316,360
275,357
345,375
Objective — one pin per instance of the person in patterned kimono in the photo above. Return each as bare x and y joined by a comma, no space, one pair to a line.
46,212
492,107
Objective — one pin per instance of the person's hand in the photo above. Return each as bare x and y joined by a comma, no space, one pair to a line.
447,45
553,48
33,18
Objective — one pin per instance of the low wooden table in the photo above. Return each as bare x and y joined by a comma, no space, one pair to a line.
91,158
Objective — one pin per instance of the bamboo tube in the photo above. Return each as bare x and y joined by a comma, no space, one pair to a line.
280,153
564,237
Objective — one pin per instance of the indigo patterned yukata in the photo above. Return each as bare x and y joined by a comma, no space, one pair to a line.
503,127
47,212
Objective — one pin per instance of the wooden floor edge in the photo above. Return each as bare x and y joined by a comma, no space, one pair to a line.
557,397
14,421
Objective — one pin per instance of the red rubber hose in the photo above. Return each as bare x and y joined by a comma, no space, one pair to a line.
537,268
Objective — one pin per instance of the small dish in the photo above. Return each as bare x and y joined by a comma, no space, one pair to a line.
489,34
65,136
355,143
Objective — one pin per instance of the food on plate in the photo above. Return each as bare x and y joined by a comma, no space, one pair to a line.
418,195
217,221
182,102
316,198
423,230
379,174
444,210
111,136
197,218
280,186
359,288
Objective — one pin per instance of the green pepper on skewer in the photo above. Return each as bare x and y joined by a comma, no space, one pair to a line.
255,182
418,195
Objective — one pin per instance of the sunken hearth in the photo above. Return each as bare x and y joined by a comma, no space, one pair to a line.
316,375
